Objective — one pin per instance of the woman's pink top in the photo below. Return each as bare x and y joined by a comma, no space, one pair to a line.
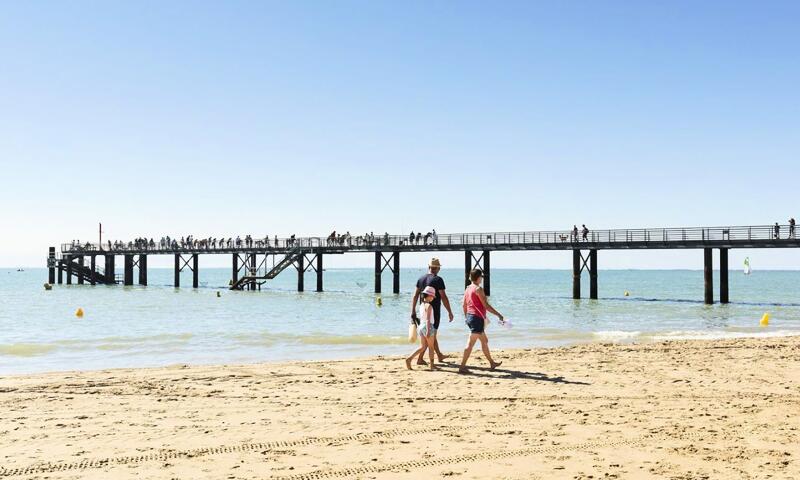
473,302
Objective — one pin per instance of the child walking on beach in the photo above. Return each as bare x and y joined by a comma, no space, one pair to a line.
426,330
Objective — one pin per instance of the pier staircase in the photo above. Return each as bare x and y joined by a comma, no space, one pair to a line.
255,278
85,273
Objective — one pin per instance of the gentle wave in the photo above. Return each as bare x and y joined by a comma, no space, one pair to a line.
26,349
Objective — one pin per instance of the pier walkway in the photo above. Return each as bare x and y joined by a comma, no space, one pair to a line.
256,261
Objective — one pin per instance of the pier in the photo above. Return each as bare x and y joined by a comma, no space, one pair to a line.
257,261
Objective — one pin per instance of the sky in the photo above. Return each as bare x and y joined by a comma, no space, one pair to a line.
234,118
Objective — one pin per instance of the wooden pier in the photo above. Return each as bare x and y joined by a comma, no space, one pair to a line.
255,262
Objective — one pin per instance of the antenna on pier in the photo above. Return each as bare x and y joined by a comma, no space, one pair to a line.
100,231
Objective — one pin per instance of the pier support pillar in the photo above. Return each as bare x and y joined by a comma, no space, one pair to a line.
487,273
51,265
196,271
142,269
396,272
723,275
69,269
177,280
80,277
301,272
235,270
110,275
128,277
93,267
467,267
253,271
319,271
708,275
60,274
576,274
593,274
378,271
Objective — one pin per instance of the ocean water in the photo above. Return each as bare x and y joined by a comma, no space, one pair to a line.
160,325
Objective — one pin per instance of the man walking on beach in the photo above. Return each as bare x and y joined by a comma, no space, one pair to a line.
432,279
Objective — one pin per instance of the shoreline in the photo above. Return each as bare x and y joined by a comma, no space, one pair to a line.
674,409
606,338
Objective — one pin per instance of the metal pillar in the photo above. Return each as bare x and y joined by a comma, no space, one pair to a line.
723,275
235,271
110,275
487,274
378,271
708,275
576,274
319,271
593,274
128,277
60,274
177,281
301,273
195,271
396,273
467,267
80,277
253,271
93,267
69,270
51,265
142,269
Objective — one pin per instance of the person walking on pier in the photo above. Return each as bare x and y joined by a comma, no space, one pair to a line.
426,330
432,279
777,231
585,232
475,305
791,227
574,233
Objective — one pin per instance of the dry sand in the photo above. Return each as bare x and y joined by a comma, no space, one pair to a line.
698,409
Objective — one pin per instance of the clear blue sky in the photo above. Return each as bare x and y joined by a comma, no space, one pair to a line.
225,118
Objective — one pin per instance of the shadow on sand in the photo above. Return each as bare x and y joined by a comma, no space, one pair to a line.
507,374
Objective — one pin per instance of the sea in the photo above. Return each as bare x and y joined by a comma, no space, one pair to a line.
160,325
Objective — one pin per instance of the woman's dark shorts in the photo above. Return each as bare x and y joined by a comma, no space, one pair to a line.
475,323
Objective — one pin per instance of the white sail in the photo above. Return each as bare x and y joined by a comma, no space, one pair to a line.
747,269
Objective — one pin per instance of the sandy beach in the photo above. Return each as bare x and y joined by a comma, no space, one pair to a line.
690,409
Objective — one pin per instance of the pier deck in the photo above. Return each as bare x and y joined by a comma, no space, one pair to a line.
251,266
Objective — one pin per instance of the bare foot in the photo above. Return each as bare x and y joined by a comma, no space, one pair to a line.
495,365
432,368
463,370
421,362
408,364
442,357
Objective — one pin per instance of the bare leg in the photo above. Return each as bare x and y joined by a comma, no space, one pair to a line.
436,348
431,341
467,351
421,359
418,351
485,347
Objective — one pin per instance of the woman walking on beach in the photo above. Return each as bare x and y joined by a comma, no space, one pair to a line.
426,330
475,307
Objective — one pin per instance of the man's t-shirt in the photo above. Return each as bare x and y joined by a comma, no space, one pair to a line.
437,283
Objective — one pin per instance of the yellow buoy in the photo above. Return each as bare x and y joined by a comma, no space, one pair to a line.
627,293
379,301
79,313
765,319
219,294
47,286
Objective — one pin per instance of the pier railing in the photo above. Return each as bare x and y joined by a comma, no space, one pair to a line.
532,239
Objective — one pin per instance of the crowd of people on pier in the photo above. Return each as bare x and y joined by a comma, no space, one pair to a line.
335,239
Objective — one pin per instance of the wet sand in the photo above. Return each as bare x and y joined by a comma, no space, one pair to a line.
685,410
